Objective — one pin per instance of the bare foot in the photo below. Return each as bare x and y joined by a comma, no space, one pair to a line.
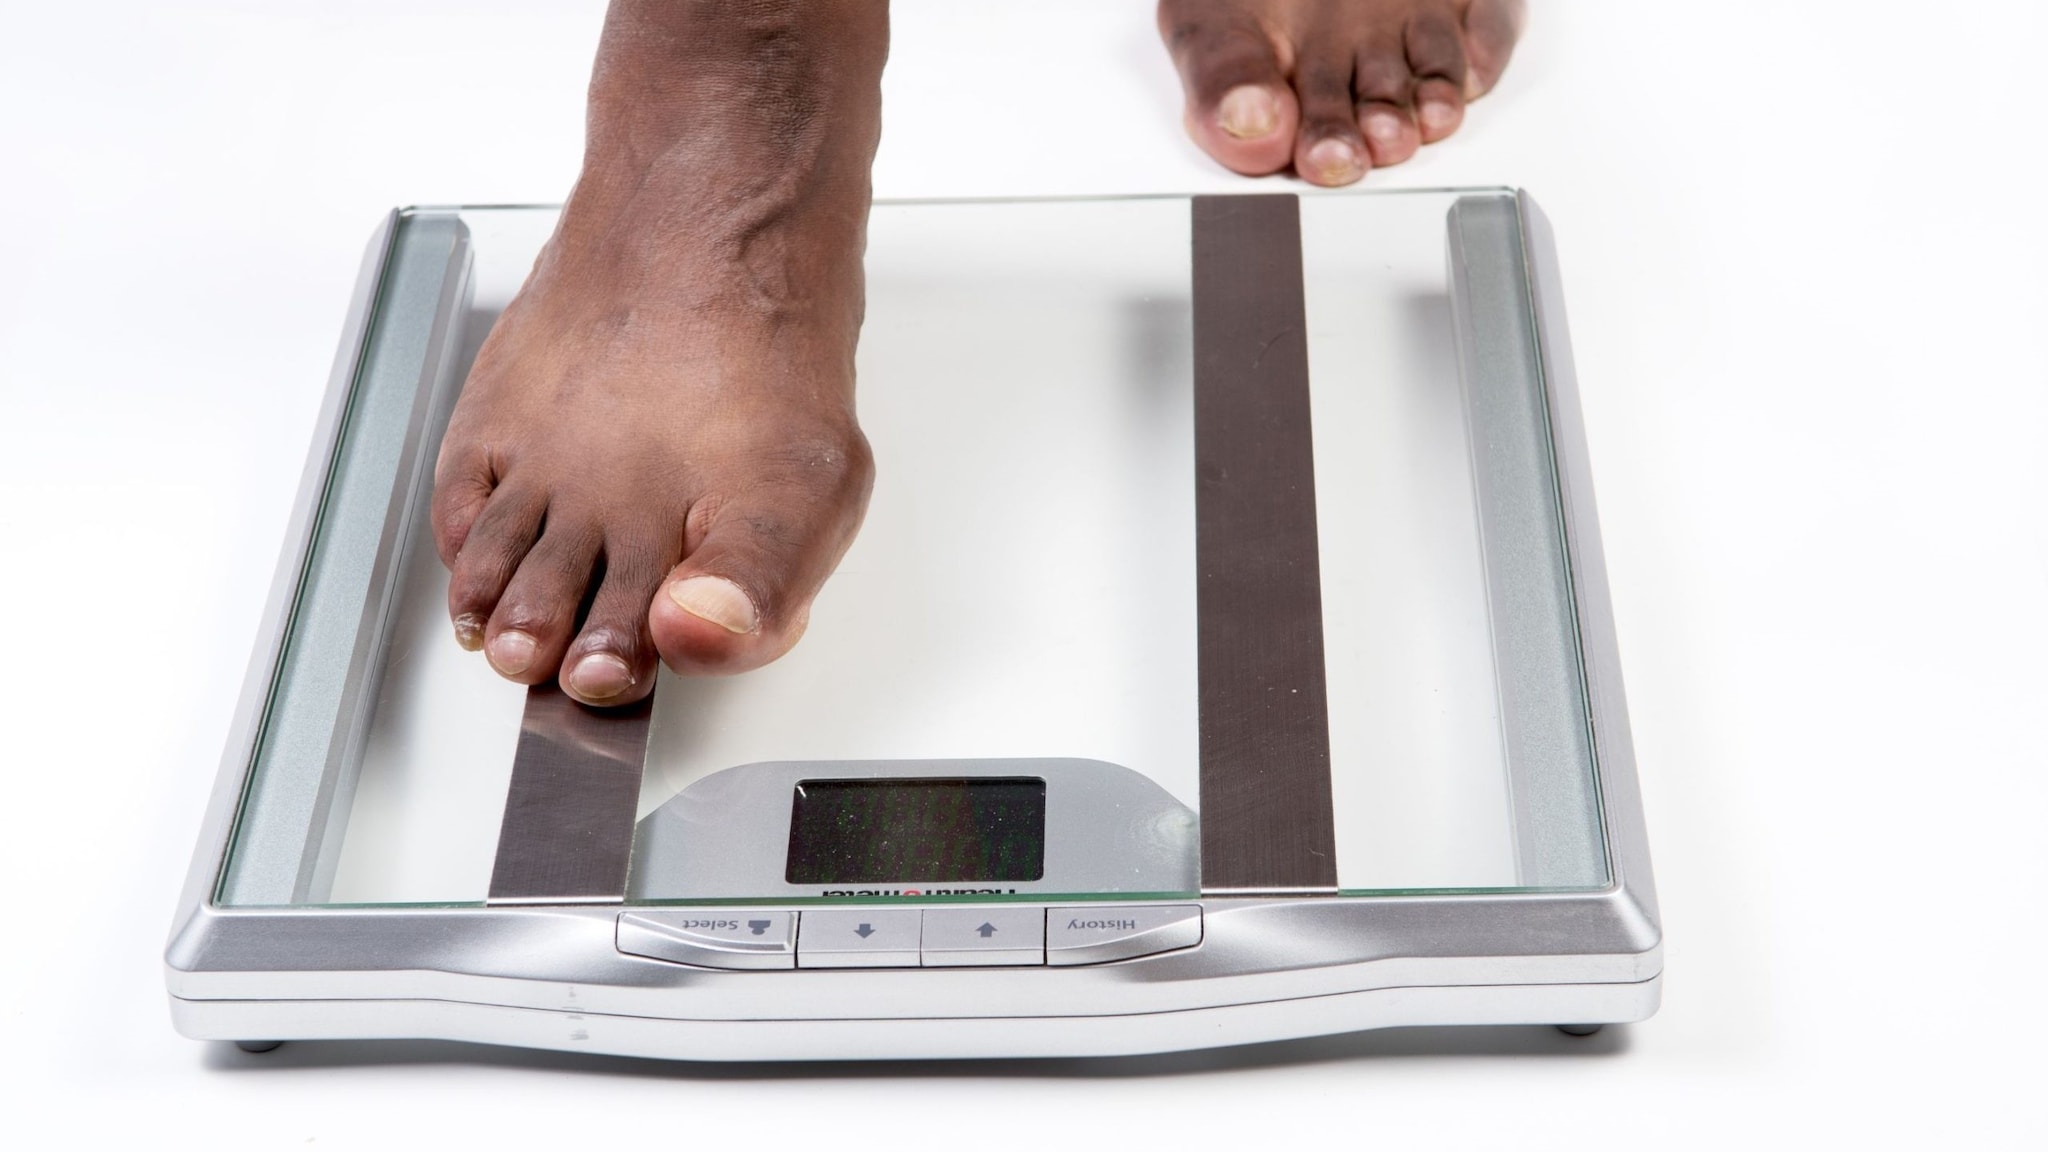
1333,87
655,455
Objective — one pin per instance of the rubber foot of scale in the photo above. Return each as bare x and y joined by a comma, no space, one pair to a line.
259,1046
1580,1029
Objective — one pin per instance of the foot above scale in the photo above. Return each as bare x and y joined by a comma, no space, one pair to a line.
259,1045
1580,1029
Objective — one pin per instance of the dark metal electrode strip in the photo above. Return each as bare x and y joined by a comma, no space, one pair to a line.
567,837
1267,823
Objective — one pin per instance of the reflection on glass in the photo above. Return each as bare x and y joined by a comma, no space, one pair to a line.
1023,585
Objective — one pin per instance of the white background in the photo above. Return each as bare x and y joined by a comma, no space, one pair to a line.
1805,253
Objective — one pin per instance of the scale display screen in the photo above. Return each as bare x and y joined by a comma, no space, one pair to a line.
917,831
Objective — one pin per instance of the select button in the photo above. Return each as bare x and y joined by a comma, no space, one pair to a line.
711,937
1100,933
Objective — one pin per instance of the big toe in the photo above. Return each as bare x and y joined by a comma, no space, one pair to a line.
1248,130
1240,108
742,595
706,624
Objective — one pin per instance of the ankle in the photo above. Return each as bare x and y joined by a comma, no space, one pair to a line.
767,84
731,136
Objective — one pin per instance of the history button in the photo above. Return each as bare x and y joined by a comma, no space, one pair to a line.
1097,934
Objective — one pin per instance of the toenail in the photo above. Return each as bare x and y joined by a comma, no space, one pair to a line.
1438,114
1248,111
469,631
1335,162
511,652
600,676
717,600
1383,126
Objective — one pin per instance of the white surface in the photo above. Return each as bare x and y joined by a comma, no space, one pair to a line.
1804,266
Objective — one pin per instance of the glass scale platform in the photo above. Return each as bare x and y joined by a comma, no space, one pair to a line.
1225,657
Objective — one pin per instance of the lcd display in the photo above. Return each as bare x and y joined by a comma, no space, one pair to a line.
917,831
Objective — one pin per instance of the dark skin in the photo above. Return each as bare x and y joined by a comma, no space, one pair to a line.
661,425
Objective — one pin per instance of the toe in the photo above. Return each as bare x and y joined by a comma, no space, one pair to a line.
537,613
715,624
1439,109
1383,85
462,490
742,596
1436,54
1491,29
1239,107
1390,132
1329,150
612,660
493,544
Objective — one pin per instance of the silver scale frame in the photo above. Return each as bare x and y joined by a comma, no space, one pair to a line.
1269,967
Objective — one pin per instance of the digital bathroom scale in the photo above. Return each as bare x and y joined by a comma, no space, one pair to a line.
1226,657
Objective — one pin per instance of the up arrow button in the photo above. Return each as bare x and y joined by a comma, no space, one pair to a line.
985,936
